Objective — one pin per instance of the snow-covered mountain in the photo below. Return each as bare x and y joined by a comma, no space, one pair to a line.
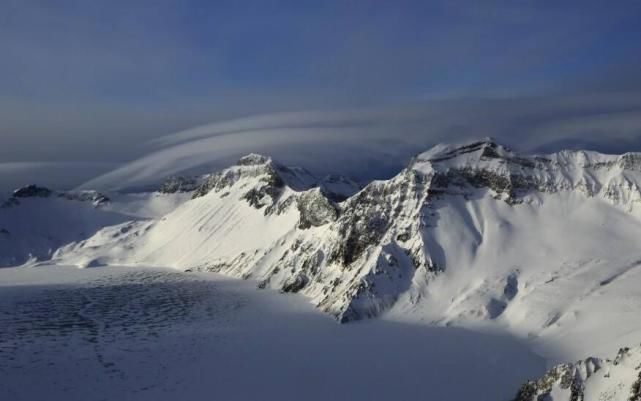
464,233
36,221
592,379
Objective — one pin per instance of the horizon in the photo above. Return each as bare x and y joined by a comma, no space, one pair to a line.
340,86
108,182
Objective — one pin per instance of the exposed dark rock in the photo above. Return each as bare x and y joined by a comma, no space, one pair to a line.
248,166
95,197
359,233
312,263
315,210
566,376
271,187
179,184
367,216
473,147
488,149
405,235
434,268
511,286
635,390
512,185
527,392
295,283
631,161
490,152
4,231
281,206
216,181
32,191
262,284
252,159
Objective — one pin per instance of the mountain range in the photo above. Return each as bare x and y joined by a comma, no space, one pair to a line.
474,235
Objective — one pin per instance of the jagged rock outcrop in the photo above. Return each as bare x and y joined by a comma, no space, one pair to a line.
511,177
272,176
334,187
179,184
96,198
315,209
32,191
592,379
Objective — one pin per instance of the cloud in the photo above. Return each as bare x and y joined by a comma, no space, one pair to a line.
334,85
375,143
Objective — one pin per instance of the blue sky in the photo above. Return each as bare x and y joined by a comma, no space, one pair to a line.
78,79
323,52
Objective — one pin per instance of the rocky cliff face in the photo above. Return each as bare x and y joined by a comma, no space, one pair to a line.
382,241
486,164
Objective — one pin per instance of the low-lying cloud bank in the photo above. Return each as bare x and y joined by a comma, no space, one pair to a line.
375,143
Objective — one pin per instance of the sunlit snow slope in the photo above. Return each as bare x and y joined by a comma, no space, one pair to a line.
36,221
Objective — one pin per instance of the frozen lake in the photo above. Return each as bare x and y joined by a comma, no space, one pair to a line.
118,333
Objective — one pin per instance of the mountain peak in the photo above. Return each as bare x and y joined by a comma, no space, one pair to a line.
484,153
486,147
253,159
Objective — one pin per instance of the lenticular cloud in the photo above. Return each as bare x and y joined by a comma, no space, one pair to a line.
375,143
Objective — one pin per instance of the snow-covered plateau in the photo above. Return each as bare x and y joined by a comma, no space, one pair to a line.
538,251
140,333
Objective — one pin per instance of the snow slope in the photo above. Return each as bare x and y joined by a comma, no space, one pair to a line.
235,212
33,227
142,333
35,221
592,379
